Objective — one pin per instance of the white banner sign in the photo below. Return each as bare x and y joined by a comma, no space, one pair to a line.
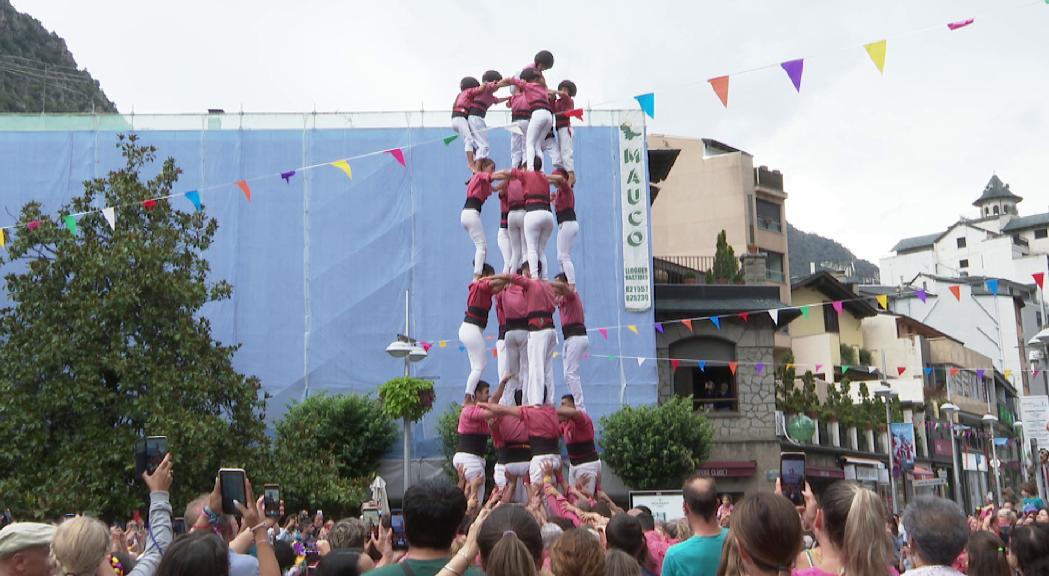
665,505
1034,412
633,184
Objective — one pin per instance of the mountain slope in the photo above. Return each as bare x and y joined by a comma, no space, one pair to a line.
827,254
38,73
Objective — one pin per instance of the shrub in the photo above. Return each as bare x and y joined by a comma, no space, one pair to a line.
448,429
655,447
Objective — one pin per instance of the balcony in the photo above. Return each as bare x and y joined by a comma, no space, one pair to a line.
681,269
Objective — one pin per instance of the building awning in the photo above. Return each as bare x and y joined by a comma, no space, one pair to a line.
820,472
863,461
728,468
922,473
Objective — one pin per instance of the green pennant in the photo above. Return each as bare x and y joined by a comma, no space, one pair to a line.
71,224
805,309
844,368
449,139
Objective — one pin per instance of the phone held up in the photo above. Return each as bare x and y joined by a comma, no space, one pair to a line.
400,540
792,476
233,484
272,502
149,453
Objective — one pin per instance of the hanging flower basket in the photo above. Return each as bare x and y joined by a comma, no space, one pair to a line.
409,398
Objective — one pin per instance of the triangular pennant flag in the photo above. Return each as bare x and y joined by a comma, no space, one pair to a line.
640,361
489,337
427,346
110,214
443,343
495,352
794,69
883,301
462,348
760,367
992,286
449,139
720,86
716,321
774,314
819,368
647,103
1039,278
659,327
872,369
574,113
287,176
514,129
1008,374
554,354
804,311
900,370
3,238
838,306
344,166
957,291
1035,373
32,225
927,370
70,221
921,294
745,316
243,185
397,154
688,324
979,373
673,364
702,365
149,204
790,365
960,24
844,368
604,332
194,197
632,328
732,367
954,371
876,50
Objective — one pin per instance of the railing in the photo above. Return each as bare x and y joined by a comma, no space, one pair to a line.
697,263
769,224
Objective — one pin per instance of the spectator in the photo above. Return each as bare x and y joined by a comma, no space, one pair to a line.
201,515
285,556
348,534
1029,550
936,535
1042,517
577,553
25,549
510,542
433,510
197,553
550,532
619,563
82,544
624,532
656,542
850,527
986,555
700,554
766,533
1006,521
339,563
1030,496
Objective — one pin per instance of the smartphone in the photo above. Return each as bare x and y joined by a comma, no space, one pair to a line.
70,515
371,518
272,494
400,540
149,453
178,525
233,486
792,476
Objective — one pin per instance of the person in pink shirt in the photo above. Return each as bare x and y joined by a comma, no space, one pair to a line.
538,219
502,238
544,435
576,341
471,331
469,88
478,189
515,223
520,112
478,108
566,91
539,296
513,453
541,118
578,431
512,303
567,225
473,438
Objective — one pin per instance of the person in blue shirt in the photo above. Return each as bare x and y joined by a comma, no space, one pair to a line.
1031,498
700,554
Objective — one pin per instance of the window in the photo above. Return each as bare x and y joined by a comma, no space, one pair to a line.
963,263
996,210
1038,318
830,319
769,215
961,242
1041,233
774,266
712,389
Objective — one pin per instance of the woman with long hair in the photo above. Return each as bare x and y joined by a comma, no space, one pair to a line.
1029,550
764,537
849,524
508,540
987,555
577,553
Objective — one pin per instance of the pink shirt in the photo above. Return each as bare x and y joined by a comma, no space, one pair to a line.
519,106
657,550
472,420
508,430
515,302
579,428
464,99
539,297
571,309
515,194
563,104
484,99
541,421
479,300
480,186
535,93
536,186
565,198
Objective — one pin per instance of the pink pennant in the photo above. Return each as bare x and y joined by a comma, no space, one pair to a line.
1039,278
745,316
960,24
900,370
673,364
397,154
32,225
838,307
243,185
604,332
427,345
688,324
819,367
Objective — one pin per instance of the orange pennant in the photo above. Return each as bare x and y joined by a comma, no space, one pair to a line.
688,324
720,86
954,370
957,291
243,185
732,367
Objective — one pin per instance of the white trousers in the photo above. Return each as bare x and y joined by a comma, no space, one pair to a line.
517,144
462,128
515,226
516,343
535,467
540,368
590,469
538,127
473,339
519,470
538,226
552,149
564,142
566,234
474,467
505,248
471,221
575,348
500,360
479,131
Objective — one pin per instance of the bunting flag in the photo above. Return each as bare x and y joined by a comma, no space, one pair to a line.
883,301
927,370
344,166
632,328
954,371
957,291
70,221
110,214
732,367
3,238
149,204
576,113
449,139
194,197
243,185
844,368
647,102
774,314
514,129
462,348
673,364
921,294
900,370
790,365
1039,278
745,316
1035,373
760,367
952,26
872,369
495,352
980,372
641,362
838,306
33,225
286,176
717,322
427,346
554,354
604,332
794,69
702,364
397,154
720,86
1008,374
804,311
992,286
443,343
876,50
819,368
688,324
659,327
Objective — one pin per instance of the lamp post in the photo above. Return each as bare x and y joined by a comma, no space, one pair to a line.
990,419
887,394
952,410
1019,426
406,348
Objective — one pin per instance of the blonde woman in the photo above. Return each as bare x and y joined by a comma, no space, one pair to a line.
849,525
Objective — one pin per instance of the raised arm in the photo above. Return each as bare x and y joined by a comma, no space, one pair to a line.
501,175
501,388
500,409
567,412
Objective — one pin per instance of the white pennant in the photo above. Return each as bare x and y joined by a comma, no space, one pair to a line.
872,369
775,317
640,361
110,215
515,129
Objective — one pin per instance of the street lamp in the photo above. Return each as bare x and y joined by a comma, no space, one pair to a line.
887,394
406,348
1023,455
990,419
952,410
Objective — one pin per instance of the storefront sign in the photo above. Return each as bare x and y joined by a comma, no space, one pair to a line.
902,446
1034,413
728,469
665,505
633,185
930,482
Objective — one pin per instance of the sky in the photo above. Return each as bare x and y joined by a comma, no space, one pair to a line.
867,158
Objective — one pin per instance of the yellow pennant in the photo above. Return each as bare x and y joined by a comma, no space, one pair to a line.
876,50
883,300
633,328
442,343
3,239
554,355
1008,374
344,166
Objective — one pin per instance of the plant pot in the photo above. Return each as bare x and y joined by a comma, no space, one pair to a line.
852,438
834,433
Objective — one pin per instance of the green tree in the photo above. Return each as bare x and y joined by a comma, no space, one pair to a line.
726,265
327,449
653,447
105,343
